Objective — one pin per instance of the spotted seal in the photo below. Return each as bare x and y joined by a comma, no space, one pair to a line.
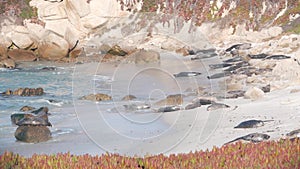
41,111
294,133
252,123
168,109
253,137
215,106
134,107
187,74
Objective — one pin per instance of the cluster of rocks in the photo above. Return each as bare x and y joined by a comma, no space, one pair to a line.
32,126
24,92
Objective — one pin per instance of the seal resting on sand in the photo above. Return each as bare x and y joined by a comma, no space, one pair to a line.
168,109
187,74
252,123
253,137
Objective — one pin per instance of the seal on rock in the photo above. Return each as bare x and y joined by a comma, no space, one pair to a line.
134,107
253,137
252,123
187,74
34,121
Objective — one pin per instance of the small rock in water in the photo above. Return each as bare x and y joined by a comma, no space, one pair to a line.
253,137
48,69
33,134
187,74
252,123
216,106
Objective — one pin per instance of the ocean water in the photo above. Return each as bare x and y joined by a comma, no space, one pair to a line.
67,83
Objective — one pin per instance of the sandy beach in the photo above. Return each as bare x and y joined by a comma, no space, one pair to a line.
100,127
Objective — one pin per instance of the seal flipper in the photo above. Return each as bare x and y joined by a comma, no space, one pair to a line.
239,138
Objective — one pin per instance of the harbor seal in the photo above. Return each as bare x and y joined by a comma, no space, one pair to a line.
168,109
187,74
252,123
221,65
34,121
215,106
134,107
253,137
294,133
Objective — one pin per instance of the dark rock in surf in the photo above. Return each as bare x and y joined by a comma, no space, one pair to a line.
25,92
33,134
253,137
252,123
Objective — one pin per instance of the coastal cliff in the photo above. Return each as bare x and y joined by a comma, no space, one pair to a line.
56,29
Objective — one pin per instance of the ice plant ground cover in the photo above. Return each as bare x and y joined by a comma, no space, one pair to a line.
271,154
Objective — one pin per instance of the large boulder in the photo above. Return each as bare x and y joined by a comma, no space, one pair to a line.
33,134
97,97
20,37
21,55
53,48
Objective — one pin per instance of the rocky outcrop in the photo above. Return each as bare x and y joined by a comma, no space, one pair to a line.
33,134
53,47
97,97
